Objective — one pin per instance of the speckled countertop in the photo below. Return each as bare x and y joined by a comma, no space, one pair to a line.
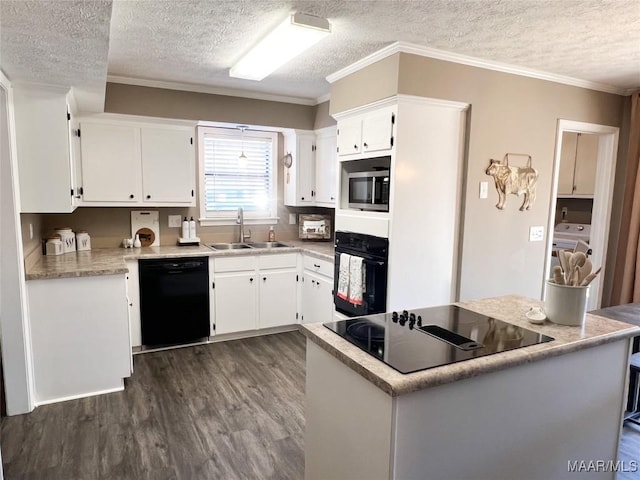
596,331
112,261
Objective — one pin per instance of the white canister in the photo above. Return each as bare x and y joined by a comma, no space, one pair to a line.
68,239
565,304
54,246
83,241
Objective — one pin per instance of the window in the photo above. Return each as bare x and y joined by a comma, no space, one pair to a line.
229,181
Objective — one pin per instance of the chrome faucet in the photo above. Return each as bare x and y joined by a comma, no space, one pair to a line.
240,220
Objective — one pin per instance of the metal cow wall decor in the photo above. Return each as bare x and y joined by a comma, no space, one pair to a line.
513,180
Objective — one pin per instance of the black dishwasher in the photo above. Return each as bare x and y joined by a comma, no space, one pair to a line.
174,300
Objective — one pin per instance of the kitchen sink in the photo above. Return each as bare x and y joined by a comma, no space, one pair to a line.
228,246
268,245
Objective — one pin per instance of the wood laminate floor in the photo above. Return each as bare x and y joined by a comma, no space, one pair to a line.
230,410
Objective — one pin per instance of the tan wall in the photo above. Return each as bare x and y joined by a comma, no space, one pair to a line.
375,82
323,119
159,102
508,113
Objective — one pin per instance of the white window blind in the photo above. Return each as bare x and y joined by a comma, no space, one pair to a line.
231,182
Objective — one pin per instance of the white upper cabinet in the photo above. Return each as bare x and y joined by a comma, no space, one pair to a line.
578,159
311,178
168,165
368,132
326,167
129,163
45,165
110,163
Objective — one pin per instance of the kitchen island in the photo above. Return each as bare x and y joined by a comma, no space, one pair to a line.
531,412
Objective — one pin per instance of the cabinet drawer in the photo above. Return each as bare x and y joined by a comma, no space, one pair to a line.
323,267
282,260
234,264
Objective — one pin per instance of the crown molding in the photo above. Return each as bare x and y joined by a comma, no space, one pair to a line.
191,87
323,98
404,47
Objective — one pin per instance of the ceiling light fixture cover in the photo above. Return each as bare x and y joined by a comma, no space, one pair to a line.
292,37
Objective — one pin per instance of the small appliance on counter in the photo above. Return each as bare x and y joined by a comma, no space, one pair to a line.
314,227
146,224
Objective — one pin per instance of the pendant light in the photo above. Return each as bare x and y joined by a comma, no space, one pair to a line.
242,159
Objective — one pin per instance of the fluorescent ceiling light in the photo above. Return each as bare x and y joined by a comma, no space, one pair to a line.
288,40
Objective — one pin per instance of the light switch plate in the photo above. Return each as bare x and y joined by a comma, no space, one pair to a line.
175,221
484,189
536,234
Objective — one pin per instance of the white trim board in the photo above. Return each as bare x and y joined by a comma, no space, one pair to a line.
602,200
404,47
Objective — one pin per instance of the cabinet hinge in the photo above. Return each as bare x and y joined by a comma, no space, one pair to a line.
393,118
81,191
313,148
296,315
213,327
191,140
192,193
297,278
78,133
392,141
68,116
337,131
338,149
213,284
72,192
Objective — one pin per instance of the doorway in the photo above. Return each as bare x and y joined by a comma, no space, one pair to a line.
605,161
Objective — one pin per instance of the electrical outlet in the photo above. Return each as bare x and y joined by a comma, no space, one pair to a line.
484,189
536,234
175,221
292,219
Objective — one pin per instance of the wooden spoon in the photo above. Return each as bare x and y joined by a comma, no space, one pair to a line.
585,270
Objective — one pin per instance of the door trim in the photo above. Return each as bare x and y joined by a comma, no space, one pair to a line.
602,199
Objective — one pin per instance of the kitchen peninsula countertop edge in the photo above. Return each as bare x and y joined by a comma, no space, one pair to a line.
511,308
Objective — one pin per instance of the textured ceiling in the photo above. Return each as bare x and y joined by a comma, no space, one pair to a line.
59,43
195,42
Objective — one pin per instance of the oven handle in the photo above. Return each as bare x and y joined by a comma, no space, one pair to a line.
365,258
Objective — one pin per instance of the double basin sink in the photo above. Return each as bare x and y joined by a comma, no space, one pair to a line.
239,246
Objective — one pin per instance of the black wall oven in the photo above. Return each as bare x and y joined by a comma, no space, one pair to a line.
373,252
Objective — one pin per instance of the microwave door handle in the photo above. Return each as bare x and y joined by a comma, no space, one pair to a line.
373,190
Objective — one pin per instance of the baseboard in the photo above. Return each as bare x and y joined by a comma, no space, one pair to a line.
82,395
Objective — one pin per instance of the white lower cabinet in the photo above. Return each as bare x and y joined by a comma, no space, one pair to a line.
133,298
79,336
317,291
254,292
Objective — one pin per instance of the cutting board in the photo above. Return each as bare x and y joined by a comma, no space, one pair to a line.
146,223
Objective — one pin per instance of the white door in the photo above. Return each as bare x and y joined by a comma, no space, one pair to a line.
586,164
236,302
110,163
277,298
168,165
317,298
377,130
349,135
326,169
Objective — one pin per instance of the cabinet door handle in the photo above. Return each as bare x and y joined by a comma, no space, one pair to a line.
132,196
365,145
251,279
316,265
355,147
333,198
313,282
148,196
264,279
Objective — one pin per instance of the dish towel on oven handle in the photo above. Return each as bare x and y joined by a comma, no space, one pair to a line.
343,276
356,280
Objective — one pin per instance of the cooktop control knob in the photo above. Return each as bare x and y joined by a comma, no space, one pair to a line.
394,317
412,320
419,321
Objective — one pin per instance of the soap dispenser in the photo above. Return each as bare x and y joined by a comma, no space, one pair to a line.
192,228
185,228
272,234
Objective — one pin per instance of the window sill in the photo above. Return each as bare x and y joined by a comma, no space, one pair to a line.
215,222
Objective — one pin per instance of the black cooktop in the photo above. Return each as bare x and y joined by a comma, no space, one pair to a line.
424,338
